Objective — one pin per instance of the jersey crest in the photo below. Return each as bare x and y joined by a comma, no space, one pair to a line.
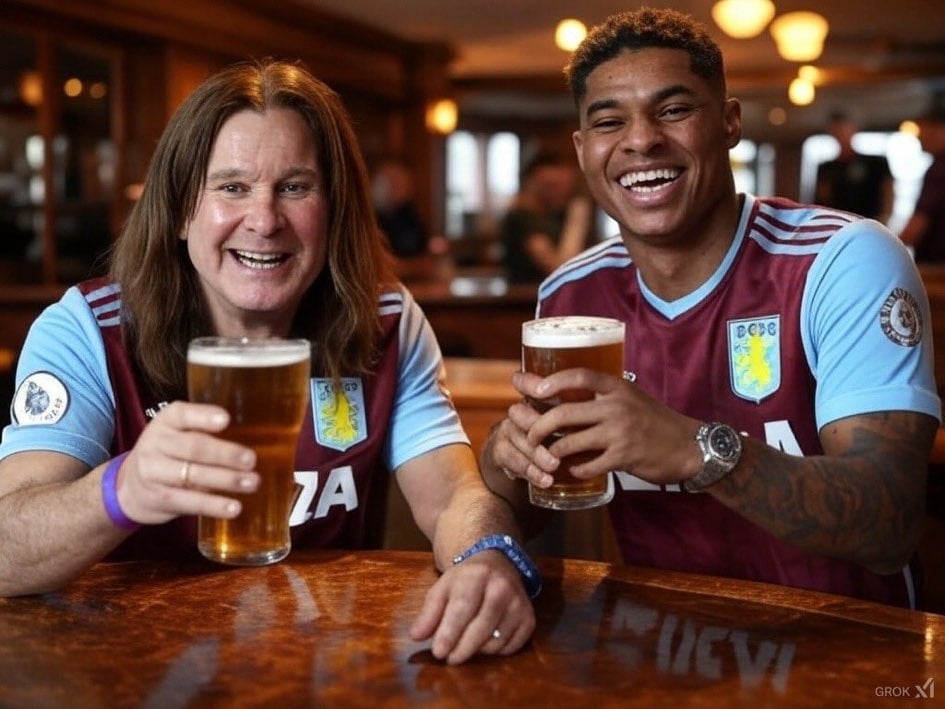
340,420
754,355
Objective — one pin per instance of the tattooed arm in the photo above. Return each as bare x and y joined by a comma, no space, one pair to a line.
863,500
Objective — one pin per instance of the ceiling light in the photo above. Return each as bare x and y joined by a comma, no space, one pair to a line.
569,34
810,73
742,18
799,35
801,92
442,116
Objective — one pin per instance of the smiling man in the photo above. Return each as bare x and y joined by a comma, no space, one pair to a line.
783,405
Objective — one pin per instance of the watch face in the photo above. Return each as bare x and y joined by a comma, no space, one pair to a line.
724,442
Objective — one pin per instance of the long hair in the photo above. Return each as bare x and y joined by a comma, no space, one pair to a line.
163,307
641,29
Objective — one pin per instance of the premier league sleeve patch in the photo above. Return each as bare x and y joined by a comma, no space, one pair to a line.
42,398
901,318
340,420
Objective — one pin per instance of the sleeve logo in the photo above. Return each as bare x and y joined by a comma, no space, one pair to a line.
901,318
42,398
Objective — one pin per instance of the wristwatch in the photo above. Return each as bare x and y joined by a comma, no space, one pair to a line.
721,448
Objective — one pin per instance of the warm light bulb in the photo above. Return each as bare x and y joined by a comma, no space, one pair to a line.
799,35
777,116
801,92
569,34
742,18
909,128
442,116
72,87
810,73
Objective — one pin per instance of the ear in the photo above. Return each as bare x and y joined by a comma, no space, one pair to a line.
578,139
732,118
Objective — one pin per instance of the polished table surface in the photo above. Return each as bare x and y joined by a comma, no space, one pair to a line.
330,628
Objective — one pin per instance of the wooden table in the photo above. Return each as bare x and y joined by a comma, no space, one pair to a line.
330,629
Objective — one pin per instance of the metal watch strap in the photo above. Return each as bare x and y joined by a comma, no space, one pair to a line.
714,466
531,577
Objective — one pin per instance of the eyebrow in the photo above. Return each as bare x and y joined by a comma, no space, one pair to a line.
234,172
661,95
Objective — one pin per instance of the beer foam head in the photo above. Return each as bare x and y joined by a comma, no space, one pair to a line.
233,352
572,331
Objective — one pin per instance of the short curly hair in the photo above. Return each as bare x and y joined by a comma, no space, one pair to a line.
641,29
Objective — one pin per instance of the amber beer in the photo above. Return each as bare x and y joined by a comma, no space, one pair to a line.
264,384
548,346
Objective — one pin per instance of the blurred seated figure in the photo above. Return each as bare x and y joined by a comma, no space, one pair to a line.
397,215
854,182
925,230
417,253
548,222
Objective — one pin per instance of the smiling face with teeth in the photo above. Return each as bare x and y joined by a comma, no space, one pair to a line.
258,237
653,145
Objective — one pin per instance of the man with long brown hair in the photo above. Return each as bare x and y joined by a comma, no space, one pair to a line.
255,221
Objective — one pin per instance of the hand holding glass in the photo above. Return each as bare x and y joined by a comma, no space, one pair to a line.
264,384
550,345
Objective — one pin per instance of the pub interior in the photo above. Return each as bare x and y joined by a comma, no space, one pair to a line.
87,86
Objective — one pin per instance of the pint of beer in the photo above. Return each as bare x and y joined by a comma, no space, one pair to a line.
548,346
264,384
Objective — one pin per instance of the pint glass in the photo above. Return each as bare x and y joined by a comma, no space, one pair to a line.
548,346
264,384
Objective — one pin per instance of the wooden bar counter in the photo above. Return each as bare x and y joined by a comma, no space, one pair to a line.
330,628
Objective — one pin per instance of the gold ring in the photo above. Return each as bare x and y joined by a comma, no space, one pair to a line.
497,634
185,473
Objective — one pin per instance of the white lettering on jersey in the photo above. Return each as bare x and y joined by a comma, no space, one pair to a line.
339,490
632,482
778,434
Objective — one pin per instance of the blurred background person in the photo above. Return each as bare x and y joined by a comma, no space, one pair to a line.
414,248
397,215
548,222
854,182
925,230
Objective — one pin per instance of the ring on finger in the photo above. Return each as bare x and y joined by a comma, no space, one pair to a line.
185,473
497,634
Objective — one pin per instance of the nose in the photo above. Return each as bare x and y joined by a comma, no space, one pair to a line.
263,215
641,135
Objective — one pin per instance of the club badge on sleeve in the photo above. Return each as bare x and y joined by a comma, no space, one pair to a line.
42,398
901,318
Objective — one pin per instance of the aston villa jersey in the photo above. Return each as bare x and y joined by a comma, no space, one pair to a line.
78,394
812,316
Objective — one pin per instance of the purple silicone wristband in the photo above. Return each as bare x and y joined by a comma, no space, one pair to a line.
110,495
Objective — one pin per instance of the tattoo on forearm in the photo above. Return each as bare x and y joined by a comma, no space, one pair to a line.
863,500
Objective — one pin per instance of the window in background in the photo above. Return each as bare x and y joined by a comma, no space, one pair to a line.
907,163
21,160
58,158
481,177
85,164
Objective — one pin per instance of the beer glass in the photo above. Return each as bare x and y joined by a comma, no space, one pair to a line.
264,384
548,346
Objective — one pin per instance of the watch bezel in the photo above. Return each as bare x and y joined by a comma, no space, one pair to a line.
716,464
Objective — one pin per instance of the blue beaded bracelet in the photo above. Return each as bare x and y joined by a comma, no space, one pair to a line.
508,546
110,495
